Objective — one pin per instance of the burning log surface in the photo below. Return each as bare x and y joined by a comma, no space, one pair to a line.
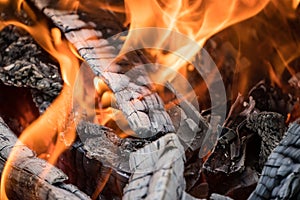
106,166
31,177
25,65
142,107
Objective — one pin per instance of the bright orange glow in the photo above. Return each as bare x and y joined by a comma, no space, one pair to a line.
273,76
295,3
100,86
110,114
198,20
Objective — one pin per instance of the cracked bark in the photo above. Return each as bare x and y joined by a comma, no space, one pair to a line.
129,87
30,177
157,171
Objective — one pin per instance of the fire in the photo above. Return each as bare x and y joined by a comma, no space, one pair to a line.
295,3
54,131
198,20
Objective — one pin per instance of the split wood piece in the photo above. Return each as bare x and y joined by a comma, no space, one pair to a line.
24,64
31,177
192,127
157,171
97,151
131,88
280,176
270,127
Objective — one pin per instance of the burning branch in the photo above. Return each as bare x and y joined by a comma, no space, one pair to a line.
131,89
29,177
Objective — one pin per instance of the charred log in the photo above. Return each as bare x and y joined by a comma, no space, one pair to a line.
270,127
280,175
131,87
30,177
97,151
157,171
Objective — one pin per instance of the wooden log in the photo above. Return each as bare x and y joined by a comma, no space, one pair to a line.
129,86
157,171
280,175
215,196
191,128
30,177
96,151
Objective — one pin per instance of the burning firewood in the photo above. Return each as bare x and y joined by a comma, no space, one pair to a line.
101,162
30,177
157,170
280,176
96,152
131,90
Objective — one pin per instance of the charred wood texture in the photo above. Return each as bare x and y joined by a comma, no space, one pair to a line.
247,135
191,127
30,177
270,127
280,175
96,152
229,153
24,64
132,88
157,171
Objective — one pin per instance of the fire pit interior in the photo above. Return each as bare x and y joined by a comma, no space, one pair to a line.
184,99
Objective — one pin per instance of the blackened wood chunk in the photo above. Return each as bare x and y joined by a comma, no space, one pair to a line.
24,64
280,175
97,152
30,177
270,127
228,155
100,147
271,99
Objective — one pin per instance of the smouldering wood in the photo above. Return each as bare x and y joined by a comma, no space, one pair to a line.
30,177
270,127
129,88
191,126
157,171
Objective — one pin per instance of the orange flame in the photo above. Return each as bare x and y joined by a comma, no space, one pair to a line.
57,124
196,19
295,3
